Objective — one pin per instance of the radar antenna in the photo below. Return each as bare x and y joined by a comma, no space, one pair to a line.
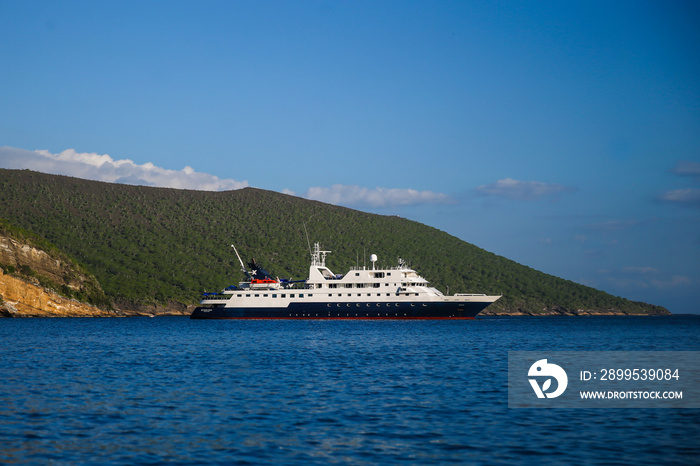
373,260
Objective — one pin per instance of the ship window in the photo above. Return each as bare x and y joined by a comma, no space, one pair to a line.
247,295
274,295
388,274
284,295
291,295
257,295
265,295
301,295
376,285
238,295
357,274
348,285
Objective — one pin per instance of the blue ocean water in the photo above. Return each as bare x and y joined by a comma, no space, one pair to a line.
176,391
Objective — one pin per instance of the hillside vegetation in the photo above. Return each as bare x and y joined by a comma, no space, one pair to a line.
32,259
156,245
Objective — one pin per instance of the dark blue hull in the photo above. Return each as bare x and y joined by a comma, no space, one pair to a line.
391,310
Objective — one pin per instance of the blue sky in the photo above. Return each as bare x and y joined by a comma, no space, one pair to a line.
562,135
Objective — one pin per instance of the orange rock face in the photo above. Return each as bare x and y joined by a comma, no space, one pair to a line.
22,299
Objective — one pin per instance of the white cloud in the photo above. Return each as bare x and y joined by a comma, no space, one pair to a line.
521,190
339,194
688,196
102,167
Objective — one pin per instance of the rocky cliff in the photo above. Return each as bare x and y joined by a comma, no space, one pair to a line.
17,255
20,298
36,283
561,311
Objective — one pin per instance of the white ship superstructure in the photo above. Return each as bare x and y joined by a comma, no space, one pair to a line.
362,293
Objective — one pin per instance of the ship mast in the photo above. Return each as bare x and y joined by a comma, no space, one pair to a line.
318,257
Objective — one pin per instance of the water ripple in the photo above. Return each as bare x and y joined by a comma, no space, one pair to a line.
175,391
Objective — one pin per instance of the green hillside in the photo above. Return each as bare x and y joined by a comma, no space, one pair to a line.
157,245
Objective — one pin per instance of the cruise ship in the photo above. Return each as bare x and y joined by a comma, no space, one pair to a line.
362,293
